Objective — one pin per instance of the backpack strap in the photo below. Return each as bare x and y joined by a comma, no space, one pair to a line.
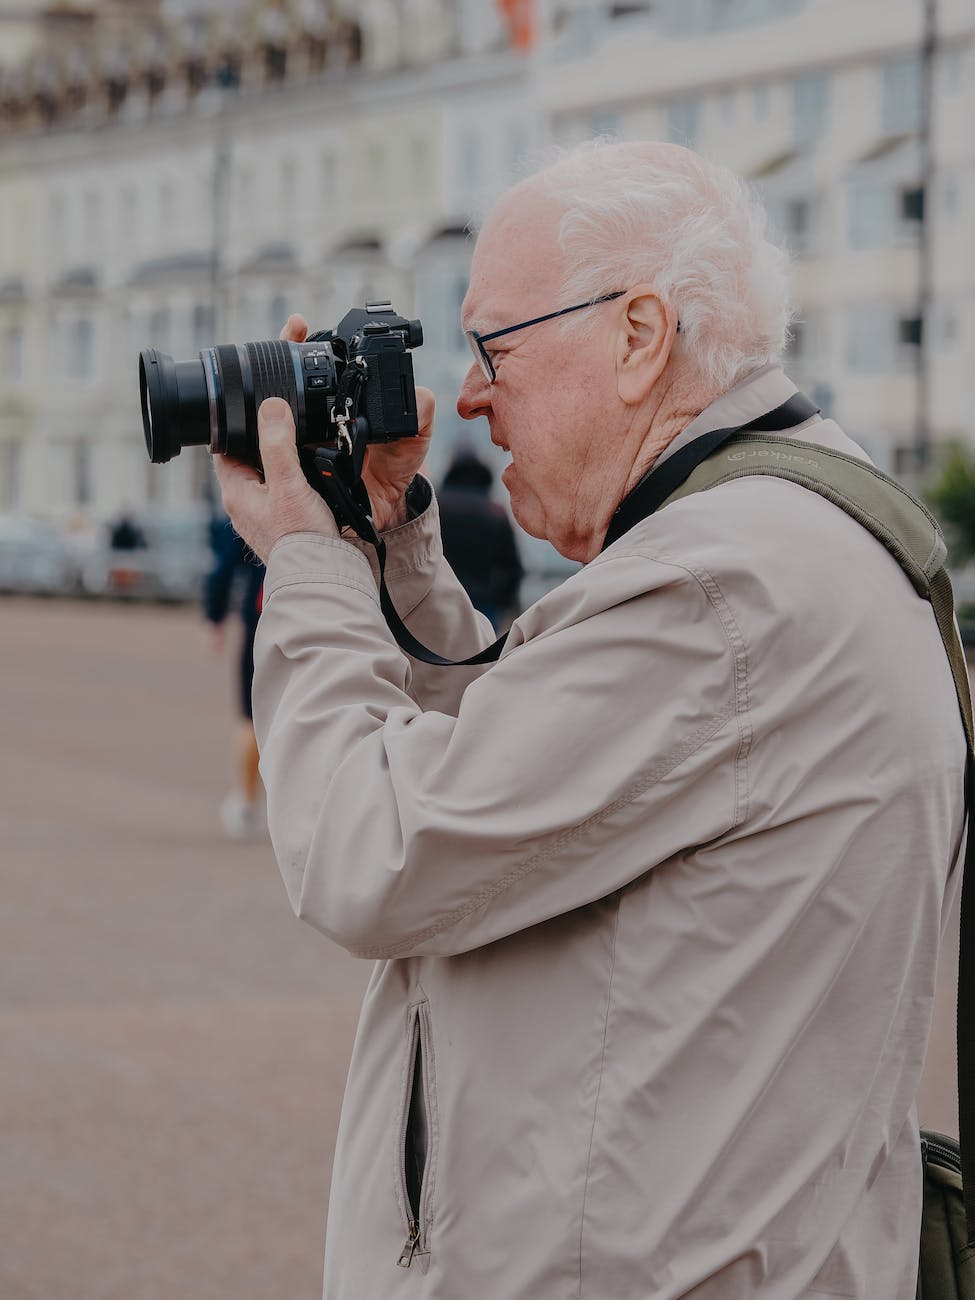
910,532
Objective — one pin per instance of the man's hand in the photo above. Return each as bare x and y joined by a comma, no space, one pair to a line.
389,466
285,502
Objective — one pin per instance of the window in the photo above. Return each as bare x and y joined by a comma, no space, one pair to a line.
796,346
56,225
11,474
81,471
946,327
469,161
420,169
328,176
91,216
605,122
797,224
279,313
128,219
683,117
204,327
953,70
823,396
81,349
869,339
514,149
375,165
908,461
807,341
810,107
727,107
909,331
901,79
13,367
165,212
160,324
289,185
911,203
869,215
693,17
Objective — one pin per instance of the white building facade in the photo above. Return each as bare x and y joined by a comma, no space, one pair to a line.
818,102
311,180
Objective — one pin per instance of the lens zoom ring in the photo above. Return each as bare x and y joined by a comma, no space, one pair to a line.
274,374
234,400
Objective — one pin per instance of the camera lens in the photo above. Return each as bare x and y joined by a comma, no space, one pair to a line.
175,404
213,401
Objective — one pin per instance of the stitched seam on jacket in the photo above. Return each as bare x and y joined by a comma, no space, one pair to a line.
736,644
599,1085
648,777
314,539
320,579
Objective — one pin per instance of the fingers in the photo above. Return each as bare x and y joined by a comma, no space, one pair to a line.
295,329
233,473
277,441
425,405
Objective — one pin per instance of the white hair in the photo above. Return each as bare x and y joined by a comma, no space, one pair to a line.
663,215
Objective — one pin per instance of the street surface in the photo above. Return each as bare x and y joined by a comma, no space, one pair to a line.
174,1042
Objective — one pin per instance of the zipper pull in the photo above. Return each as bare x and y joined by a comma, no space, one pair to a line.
406,1259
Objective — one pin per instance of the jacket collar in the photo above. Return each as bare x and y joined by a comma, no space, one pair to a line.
762,390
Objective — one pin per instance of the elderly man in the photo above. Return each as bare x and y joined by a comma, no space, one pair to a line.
656,899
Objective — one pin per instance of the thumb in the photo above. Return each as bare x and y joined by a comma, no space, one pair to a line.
425,406
276,440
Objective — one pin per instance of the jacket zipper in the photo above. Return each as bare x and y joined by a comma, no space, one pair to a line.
409,1250
942,1153
416,1095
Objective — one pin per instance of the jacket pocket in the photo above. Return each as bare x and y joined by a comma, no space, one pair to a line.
416,1135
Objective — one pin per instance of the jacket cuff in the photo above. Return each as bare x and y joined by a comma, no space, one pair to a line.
414,551
314,557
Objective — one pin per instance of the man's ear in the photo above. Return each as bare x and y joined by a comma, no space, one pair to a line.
647,332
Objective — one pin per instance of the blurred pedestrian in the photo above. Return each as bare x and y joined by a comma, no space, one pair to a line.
478,539
124,534
235,569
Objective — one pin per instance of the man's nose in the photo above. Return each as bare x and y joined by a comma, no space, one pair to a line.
475,394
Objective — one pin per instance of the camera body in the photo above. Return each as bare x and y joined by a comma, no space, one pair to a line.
353,382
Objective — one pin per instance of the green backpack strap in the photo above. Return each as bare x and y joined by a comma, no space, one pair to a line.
910,532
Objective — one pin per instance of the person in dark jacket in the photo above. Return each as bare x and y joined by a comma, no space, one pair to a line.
240,811
478,539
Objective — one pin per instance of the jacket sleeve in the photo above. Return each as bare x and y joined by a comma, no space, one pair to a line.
605,741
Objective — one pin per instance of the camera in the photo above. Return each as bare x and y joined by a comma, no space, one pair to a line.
345,387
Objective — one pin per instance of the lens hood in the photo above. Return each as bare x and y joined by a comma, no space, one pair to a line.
160,404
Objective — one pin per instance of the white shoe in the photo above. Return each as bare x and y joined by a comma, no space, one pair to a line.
242,820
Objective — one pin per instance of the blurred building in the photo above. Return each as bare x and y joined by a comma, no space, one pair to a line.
194,176
819,103
180,172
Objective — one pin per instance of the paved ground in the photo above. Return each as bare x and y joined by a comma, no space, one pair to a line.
174,1043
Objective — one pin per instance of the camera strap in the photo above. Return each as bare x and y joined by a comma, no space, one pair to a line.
339,483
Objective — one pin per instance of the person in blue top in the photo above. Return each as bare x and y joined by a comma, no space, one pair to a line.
238,576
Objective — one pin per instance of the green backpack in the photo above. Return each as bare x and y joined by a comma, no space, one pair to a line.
911,534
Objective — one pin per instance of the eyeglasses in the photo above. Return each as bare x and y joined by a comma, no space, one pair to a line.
477,341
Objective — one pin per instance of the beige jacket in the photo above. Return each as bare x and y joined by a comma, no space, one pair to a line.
660,894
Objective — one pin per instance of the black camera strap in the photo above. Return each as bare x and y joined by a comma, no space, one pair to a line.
350,505
338,482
